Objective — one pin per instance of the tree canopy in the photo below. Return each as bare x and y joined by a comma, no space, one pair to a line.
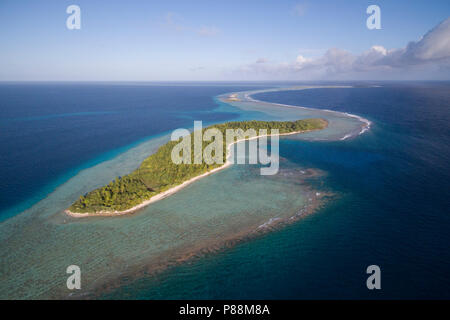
158,172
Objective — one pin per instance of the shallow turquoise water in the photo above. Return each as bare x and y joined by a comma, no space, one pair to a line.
390,208
208,215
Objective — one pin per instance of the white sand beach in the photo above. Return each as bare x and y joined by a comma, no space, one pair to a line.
173,190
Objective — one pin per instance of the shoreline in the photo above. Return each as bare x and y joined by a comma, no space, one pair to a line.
177,188
182,244
213,247
364,127
248,97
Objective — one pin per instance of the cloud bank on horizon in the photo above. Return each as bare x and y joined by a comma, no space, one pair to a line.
231,40
428,57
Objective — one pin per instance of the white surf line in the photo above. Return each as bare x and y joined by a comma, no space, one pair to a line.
177,188
248,95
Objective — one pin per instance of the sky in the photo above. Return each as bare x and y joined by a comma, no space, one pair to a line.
224,40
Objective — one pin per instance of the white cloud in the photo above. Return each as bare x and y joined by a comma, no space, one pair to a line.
424,57
301,60
435,45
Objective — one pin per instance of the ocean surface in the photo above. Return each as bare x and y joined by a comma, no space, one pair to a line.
387,205
49,131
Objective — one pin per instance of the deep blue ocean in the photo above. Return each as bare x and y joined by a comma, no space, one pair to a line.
392,184
49,132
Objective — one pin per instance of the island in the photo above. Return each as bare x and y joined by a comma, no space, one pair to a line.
158,176
232,98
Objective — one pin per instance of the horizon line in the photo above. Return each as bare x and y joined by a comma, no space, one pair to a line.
219,81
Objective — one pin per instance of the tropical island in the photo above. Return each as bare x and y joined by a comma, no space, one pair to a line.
158,176
232,98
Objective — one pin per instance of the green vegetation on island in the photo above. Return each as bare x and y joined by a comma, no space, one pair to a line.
159,173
